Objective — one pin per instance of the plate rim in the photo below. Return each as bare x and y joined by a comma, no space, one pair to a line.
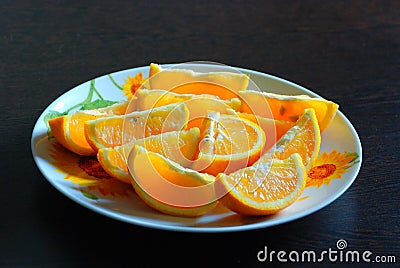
194,229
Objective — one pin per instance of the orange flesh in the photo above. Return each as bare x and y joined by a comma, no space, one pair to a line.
303,143
287,107
68,130
169,174
230,137
228,143
168,187
205,88
303,138
178,146
290,111
117,131
198,104
269,125
255,185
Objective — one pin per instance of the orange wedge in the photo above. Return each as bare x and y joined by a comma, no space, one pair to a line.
273,129
114,131
69,129
264,188
179,146
287,107
303,138
228,143
198,105
225,85
168,187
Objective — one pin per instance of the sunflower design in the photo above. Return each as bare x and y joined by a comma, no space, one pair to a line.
86,173
132,84
330,166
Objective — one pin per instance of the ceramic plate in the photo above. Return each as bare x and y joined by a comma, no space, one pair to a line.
80,179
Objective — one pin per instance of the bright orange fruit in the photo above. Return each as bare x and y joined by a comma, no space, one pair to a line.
278,177
114,131
69,129
178,146
303,138
228,143
287,107
168,187
263,188
225,85
273,129
198,105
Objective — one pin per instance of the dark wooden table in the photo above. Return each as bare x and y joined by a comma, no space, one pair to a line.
347,51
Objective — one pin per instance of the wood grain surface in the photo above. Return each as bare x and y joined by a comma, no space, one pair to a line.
346,51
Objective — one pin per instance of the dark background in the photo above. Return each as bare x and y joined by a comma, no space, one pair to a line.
345,51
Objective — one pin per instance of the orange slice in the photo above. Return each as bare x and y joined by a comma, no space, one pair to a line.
117,130
287,107
179,146
69,129
262,189
273,129
303,138
198,105
228,143
225,85
168,187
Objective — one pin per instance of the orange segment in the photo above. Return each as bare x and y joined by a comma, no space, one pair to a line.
225,85
167,186
273,129
69,129
198,105
66,130
228,143
262,189
303,138
287,107
179,146
114,131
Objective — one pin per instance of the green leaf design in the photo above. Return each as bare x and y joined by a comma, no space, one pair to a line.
89,195
354,156
354,160
50,115
114,82
99,103
86,104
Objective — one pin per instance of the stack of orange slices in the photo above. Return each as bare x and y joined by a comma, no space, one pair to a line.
191,140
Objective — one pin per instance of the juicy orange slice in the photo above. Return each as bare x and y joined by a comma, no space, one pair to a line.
198,105
114,131
273,129
287,107
228,143
303,138
179,146
264,188
168,187
69,129
225,85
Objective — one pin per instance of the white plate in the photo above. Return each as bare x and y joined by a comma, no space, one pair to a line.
117,200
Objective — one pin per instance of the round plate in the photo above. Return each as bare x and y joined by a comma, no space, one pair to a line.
69,174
